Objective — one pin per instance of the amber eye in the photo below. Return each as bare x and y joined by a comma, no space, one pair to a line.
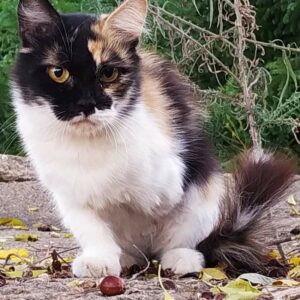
58,74
109,74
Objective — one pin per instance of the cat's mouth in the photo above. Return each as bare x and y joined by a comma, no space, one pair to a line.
82,120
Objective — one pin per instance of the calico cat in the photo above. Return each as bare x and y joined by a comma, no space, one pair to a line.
115,136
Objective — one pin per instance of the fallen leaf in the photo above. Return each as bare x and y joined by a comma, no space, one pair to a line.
294,211
11,222
19,227
33,209
274,254
55,234
212,273
294,273
294,261
291,200
257,278
238,289
286,282
15,274
68,235
22,253
26,238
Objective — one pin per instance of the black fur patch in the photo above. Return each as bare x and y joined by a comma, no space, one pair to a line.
65,41
198,155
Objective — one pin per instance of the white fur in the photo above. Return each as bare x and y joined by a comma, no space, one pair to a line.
183,260
116,190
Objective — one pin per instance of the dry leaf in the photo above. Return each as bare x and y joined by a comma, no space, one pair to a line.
256,278
294,261
294,273
33,209
238,289
212,273
11,222
286,282
291,200
68,235
26,237
23,253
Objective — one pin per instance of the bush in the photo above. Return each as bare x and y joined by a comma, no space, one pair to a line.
278,99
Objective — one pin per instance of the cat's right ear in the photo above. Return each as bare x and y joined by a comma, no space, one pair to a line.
37,19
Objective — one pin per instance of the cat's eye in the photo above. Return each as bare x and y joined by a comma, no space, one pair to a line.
109,74
58,74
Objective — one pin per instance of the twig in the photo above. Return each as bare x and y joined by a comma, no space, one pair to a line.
47,257
273,45
248,95
209,53
145,269
192,25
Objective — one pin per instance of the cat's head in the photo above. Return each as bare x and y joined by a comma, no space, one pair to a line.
81,69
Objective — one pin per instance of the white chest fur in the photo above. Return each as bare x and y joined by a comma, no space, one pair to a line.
136,165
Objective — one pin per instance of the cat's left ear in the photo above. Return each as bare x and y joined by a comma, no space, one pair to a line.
37,20
126,23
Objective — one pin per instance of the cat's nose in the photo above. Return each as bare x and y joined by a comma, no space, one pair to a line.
86,106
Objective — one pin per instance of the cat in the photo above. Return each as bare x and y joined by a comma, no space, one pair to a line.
114,134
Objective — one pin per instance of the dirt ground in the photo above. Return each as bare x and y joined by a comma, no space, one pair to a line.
17,200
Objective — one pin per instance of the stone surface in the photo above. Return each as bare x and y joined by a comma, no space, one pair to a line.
15,168
17,197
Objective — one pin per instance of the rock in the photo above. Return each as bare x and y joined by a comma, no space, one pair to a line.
15,168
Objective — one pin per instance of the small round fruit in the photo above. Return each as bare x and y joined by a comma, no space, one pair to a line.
112,286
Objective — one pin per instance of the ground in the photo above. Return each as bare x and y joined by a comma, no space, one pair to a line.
22,197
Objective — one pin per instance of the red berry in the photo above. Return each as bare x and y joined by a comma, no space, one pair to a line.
112,285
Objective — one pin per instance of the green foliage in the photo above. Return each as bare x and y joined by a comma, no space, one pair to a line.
278,99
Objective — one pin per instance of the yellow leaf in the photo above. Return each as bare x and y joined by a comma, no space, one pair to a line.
68,235
286,282
294,261
23,253
294,273
212,273
37,273
238,289
68,259
19,227
19,274
291,200
15,274
26,238
274,254
11,222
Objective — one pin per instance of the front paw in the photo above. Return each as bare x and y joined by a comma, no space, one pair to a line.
183,260
91,265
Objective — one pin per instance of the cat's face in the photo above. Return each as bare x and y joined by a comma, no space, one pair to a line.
82,69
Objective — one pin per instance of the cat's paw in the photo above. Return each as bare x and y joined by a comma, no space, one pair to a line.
91,265
183,260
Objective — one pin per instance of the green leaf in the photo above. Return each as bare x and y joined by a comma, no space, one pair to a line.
238,289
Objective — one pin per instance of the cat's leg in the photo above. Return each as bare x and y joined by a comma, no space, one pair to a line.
189,225
100,254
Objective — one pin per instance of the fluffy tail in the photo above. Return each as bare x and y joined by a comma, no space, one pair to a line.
261,181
